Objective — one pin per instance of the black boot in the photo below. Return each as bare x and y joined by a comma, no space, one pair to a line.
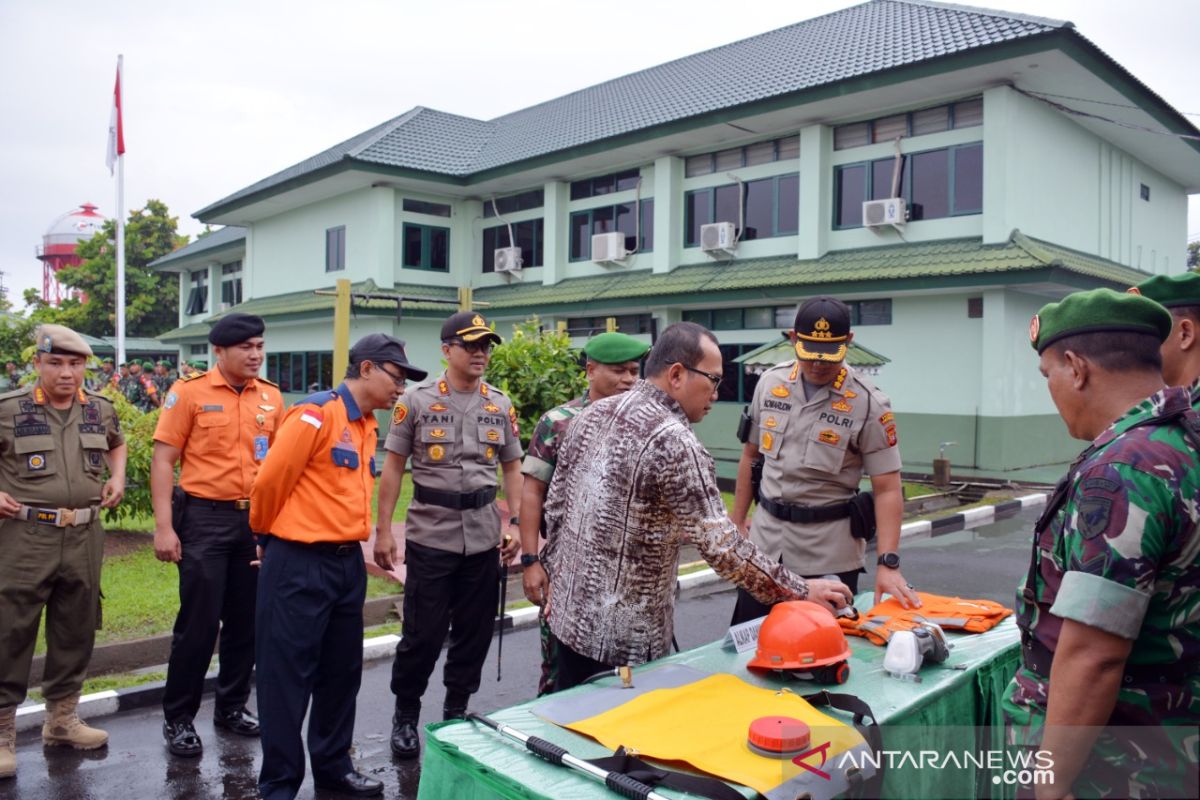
405,741
455,705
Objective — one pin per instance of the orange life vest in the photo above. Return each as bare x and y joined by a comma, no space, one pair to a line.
952,613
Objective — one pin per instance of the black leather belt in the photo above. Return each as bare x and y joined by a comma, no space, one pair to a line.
456,500
333,548
804,514
232,505
1038,658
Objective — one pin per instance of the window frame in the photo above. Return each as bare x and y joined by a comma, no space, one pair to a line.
647,227
338,250
711,191
906,183
198,294
428,208
426,247
488,265
952,123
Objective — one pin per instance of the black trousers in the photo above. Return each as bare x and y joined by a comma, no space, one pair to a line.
216,594
310,618
574,669
747,608
445,591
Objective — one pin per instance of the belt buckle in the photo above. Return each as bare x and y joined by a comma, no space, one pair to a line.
49,516
241,505
66,516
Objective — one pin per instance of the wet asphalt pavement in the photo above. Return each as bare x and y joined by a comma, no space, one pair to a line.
986,563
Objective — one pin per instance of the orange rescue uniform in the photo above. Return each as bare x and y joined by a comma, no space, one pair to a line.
317,482
223,436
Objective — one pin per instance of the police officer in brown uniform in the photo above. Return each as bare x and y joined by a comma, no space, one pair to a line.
220,424
55,441
820,426
457,430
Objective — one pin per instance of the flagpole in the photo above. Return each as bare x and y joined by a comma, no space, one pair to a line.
121,225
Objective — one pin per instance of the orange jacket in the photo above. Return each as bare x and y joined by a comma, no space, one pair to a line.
317,480
952,613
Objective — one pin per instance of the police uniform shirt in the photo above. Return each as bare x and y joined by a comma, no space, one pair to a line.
454,442
224,435
816,451
53,457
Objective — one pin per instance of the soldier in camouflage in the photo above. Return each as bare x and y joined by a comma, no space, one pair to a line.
1109,611
613,360
138,389
1179,294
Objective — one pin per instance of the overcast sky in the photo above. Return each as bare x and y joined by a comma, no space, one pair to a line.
221,94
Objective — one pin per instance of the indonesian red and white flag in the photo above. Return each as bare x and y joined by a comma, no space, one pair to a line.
116,133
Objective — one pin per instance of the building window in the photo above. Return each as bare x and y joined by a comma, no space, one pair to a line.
737,384
198,350
609,219
426,247
301,372
605,184
771,208
423,207
335,248
1145,190
749,156
947,182
525,201
974,308
870,312
198,297
631,324
231,284
963,114
529,235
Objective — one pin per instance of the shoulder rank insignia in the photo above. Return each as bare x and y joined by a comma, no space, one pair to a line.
39,396
196,375
842,406
483,388
795,371
849,394
443,387
399,413
439,407
829,436
780,391
840,379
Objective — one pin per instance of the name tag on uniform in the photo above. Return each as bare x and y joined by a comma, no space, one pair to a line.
212,408
260,448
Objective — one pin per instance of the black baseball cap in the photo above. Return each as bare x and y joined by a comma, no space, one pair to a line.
468,326
822,329
379,347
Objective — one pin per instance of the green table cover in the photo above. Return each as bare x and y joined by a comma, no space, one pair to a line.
956,706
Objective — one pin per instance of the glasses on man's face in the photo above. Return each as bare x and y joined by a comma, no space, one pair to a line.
400,380
714,379
484,346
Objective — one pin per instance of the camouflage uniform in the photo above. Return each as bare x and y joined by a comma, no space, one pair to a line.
140,392
539,463
1118,548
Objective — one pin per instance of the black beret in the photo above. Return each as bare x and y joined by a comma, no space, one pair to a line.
235,328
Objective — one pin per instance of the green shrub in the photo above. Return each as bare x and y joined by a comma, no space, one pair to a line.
139,441
538,370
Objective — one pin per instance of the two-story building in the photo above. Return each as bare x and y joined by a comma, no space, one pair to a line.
945,170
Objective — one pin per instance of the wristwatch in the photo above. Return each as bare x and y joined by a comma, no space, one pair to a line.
889,560
528,560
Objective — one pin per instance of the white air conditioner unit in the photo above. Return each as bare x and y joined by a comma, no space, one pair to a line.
223,307
608,247
507,259
718,237
891,211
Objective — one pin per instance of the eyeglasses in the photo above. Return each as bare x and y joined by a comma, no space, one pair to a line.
484,347
714,379
400,380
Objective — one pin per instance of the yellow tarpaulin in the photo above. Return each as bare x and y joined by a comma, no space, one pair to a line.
705,724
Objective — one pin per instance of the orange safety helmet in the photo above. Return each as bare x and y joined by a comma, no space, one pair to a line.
802,636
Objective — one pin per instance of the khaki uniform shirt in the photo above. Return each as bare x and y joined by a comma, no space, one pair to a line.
454,442
54,458
816,452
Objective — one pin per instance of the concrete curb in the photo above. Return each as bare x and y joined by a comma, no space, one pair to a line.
111,702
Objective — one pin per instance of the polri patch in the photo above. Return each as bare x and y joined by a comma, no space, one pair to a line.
399,413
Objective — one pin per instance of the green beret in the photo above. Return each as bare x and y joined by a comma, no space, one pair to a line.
148,363
1098,311
123,364
164,363
614,348
1171,290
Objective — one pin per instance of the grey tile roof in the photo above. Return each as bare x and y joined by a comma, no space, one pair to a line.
222,237
873,37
